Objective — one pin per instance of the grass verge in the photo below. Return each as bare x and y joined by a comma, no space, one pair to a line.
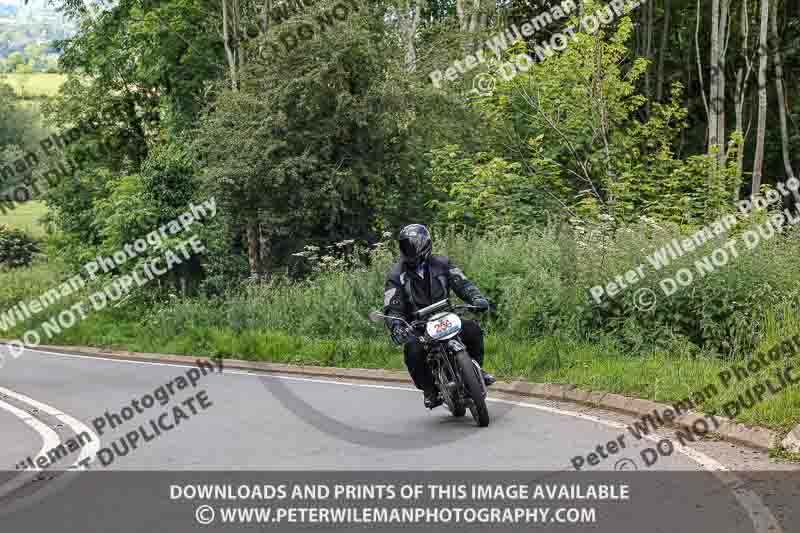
26,217
657,376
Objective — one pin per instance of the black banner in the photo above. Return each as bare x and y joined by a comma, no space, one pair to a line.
619,502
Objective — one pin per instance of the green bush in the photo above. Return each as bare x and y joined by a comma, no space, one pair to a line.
17,248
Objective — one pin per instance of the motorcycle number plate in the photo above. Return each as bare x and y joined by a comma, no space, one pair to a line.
443,326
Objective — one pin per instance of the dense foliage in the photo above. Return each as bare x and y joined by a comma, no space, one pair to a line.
17,248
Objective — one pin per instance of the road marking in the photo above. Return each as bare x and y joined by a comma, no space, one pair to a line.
226,371
50,440
698,457
760,514
88,451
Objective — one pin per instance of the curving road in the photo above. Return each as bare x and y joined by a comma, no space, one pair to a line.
237,421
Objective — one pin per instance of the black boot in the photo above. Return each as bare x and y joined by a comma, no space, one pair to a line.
432,398
488,379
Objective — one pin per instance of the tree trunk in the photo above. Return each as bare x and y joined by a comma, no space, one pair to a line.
713,119
742,78
779,87
719,46
739,93
265,11
265,250
473,15
230,36
254,248
238,36
648,53
758,164
721,86
663,51
409,21
698,60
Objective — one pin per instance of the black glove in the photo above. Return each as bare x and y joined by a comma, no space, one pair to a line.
481,302
399,334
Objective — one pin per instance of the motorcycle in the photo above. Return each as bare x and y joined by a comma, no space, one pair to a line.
457,376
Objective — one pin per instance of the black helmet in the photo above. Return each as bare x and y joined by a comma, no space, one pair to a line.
415,244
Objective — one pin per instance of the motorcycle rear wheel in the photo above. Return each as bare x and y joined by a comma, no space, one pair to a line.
473,383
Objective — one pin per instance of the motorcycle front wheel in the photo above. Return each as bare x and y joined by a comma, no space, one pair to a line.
473,383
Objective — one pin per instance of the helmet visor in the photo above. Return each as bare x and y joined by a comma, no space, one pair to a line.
411,247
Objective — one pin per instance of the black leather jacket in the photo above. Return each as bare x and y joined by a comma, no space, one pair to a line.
405,292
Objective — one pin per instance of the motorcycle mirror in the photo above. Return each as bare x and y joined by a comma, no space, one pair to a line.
375,316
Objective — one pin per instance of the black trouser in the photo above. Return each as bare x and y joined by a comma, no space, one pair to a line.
416,354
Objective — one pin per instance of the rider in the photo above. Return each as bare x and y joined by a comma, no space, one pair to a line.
418,280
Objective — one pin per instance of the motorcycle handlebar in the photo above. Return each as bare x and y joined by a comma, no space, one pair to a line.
466,307
376,316
452,309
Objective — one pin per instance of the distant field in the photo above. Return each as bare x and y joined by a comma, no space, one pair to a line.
35,85
26,216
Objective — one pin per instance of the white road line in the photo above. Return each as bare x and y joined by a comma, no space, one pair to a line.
88,451
50,440
760,514
698,457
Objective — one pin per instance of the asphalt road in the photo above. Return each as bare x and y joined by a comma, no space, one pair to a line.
236,421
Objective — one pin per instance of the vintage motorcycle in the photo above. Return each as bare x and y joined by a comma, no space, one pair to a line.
457,376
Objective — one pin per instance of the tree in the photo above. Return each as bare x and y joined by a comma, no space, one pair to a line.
138,203
742,78
474,15
33,52
781,93
761,132
18,131
231,27
14,60
409,15
137,73
663,50
716,127
314,145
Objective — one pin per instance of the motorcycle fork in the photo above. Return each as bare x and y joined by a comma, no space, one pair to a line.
454,346
443,368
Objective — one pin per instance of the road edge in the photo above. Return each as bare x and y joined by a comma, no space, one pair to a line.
751,436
